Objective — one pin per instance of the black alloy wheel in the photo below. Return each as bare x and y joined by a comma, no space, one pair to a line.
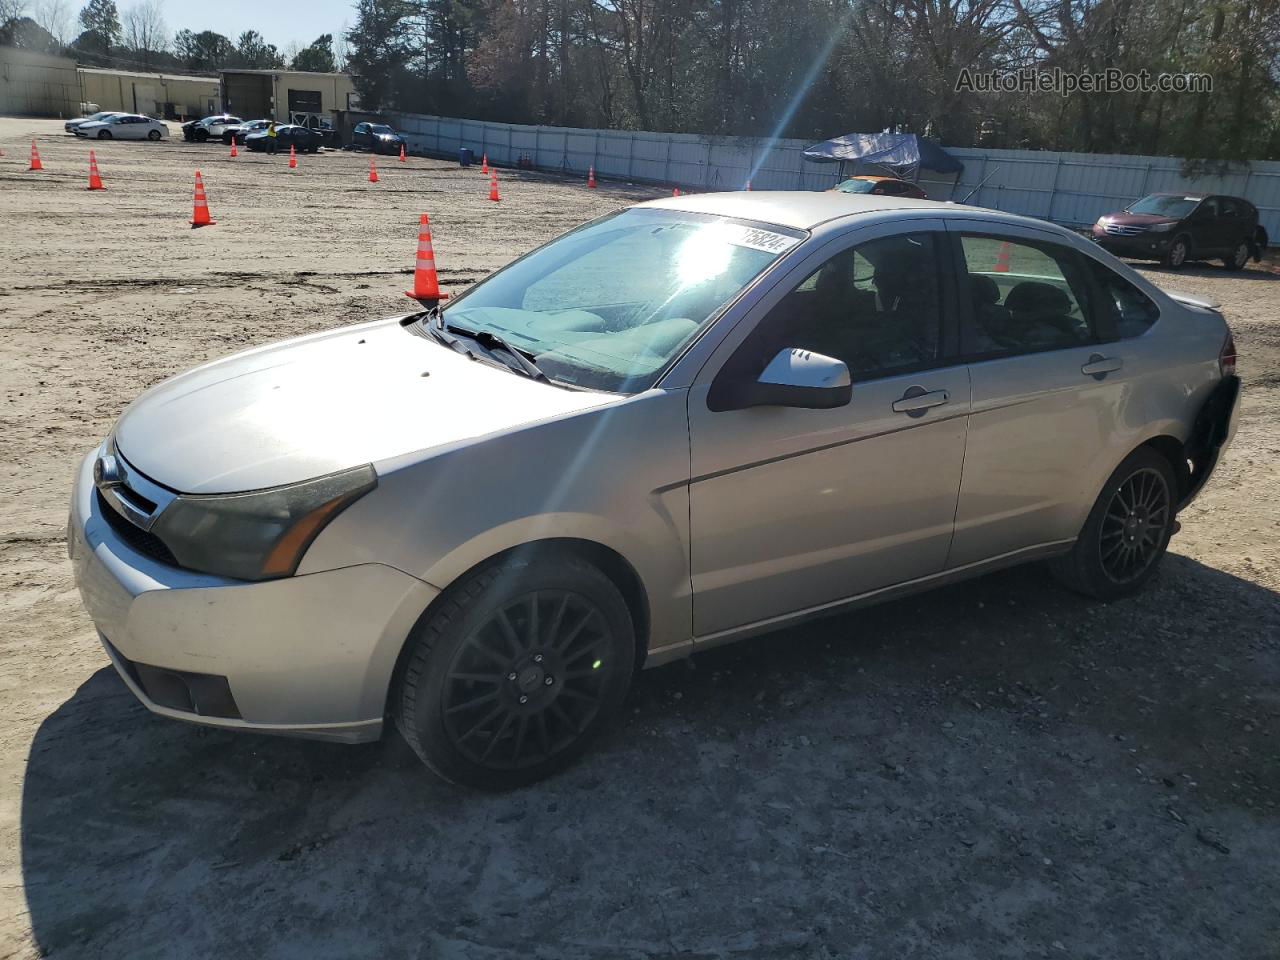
1127,530
529,680
1134,525
515,669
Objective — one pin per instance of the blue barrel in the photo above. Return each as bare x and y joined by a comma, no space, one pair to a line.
465,156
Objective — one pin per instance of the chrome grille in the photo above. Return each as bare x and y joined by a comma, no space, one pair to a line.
1122,230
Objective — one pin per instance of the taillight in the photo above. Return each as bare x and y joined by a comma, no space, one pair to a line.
1227,357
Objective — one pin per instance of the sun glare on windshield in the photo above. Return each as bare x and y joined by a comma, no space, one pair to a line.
704,255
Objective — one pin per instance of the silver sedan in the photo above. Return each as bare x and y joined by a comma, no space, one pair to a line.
679,425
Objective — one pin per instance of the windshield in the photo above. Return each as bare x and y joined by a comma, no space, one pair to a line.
857,186
380,128
610,304
1164,206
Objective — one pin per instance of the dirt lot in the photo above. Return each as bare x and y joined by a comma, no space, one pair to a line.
994,770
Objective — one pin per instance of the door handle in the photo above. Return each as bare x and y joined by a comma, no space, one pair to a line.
917,400
1099,366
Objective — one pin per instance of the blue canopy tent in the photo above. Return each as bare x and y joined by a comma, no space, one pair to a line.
901,155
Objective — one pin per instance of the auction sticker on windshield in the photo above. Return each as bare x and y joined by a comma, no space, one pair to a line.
755,238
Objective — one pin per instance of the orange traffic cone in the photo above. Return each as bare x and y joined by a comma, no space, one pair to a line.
493,185
35,158
591,176
426,285
95,181
484,162
233,147
1002,259
675,192
293,158
200,214
373,171
402,153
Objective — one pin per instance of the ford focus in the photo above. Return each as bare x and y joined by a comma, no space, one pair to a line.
685,423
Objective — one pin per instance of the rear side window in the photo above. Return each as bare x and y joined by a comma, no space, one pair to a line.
1025,297
1129,311
1229,207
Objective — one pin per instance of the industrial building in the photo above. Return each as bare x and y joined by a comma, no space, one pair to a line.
171,96
289,96
37,84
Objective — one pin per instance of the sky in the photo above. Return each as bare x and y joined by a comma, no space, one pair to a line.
279,21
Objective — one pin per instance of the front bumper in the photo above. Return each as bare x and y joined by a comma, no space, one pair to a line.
307,656
1145,245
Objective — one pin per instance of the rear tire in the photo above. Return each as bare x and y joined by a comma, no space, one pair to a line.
104,134
1127,531
1238,258
516,671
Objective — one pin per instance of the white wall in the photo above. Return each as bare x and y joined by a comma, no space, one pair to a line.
1068,188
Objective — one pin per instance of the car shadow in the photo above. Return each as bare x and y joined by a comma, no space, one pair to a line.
876,778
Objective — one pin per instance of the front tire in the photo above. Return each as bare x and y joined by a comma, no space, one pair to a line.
516,671
153,135
1176,256
201,136
1127,532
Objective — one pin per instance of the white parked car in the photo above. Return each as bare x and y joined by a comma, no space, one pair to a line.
124,126
70,125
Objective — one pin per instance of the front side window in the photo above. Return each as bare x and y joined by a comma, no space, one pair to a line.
876,307
1129,311
610,304
1025,296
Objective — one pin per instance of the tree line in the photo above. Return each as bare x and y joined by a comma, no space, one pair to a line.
820,68
137,38
797,68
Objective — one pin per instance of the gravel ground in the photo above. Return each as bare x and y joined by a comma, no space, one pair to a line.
993,770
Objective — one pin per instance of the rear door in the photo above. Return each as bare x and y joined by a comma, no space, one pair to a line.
1048,391
1208,230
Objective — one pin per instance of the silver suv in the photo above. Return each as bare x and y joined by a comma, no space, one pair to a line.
685,423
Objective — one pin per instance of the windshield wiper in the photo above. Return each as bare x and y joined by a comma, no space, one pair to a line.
494,343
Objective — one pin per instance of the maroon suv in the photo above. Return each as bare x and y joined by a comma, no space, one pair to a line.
1176,227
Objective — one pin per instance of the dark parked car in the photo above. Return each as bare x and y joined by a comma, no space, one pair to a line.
1176,227
376,137
287,135
238,131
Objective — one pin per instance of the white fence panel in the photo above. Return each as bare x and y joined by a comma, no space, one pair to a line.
1068,188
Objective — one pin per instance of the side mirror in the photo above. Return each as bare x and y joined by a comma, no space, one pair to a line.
793,378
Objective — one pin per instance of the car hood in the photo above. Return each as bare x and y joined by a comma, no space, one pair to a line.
312,406
1138,219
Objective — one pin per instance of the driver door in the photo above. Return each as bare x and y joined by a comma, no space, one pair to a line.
793,509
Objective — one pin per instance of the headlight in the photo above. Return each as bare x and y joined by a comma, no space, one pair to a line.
260,535
1103,221
1162,227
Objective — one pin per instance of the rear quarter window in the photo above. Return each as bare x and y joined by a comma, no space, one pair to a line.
1131,312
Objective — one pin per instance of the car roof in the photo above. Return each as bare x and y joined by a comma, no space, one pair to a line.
806,209
875,177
